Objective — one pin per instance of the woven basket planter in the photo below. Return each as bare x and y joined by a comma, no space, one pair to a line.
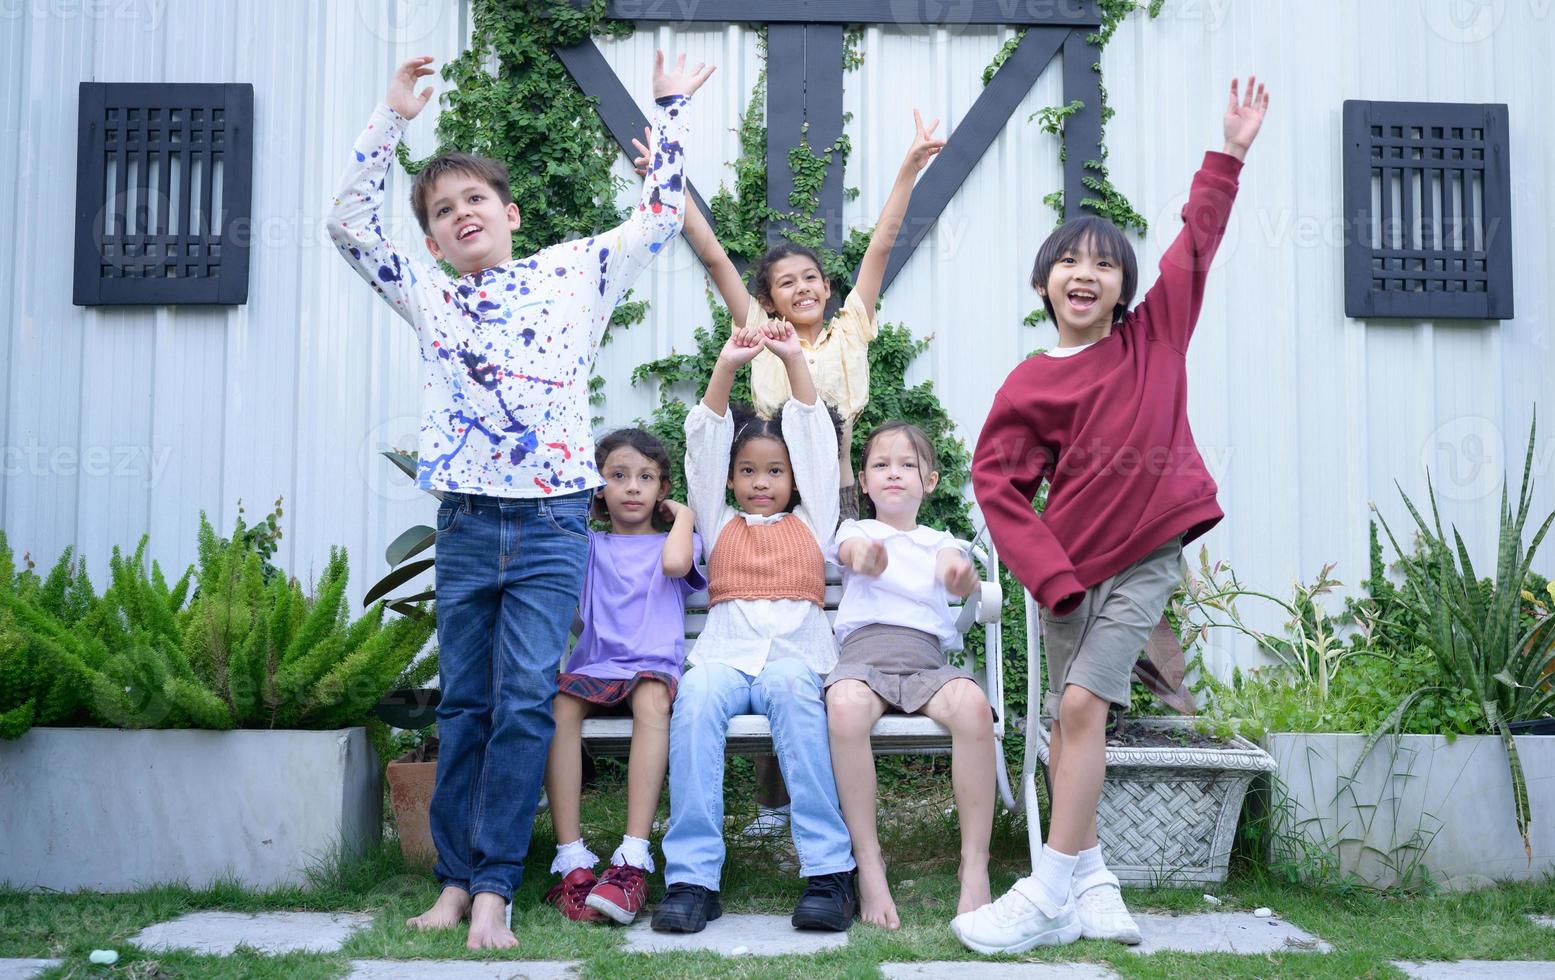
1168,815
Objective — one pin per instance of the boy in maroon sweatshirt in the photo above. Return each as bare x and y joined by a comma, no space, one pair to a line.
1103,419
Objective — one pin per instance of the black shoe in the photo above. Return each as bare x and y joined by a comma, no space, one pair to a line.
686,908
828,903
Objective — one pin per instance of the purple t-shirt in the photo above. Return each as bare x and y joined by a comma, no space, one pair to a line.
633,614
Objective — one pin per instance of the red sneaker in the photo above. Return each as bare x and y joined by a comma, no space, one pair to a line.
570,893
620,893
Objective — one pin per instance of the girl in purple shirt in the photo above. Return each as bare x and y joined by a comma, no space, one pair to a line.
628,655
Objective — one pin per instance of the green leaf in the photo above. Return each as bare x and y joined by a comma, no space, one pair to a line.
410,543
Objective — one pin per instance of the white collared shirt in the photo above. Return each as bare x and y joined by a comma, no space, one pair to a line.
908,593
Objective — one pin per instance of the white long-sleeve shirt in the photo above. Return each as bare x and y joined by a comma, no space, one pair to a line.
746,633
505,352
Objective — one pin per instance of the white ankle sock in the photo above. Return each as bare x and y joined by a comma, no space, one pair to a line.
1053,873
570,857
634,851
1090,870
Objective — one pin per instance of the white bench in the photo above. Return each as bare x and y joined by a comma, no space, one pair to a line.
894,733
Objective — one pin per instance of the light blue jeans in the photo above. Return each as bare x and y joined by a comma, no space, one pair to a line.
789,694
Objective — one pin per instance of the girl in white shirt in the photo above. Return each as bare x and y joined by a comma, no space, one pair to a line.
894,625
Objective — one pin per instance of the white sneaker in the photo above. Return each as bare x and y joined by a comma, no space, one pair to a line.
1103,915
770,822
1013,923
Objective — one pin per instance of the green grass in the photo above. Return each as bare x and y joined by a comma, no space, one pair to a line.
1367,930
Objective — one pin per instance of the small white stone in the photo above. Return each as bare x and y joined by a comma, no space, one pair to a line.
1263,911
107,957
1211,900
740,951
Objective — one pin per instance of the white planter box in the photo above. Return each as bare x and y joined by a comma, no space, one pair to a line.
1419,800
106,810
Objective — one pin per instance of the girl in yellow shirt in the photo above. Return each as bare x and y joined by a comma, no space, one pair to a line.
787,284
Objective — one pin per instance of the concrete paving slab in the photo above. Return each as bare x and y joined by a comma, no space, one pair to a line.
754,935
1222,932
1480,970
462,970
220,933
975,970
24,969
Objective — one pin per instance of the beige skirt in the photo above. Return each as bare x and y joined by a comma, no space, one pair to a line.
904,666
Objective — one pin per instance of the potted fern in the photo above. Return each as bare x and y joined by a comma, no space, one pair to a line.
213,727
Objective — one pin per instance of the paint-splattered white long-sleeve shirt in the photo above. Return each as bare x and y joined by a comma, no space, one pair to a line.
505,352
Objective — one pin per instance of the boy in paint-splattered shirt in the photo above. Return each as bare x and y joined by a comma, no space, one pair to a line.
505,347
505,351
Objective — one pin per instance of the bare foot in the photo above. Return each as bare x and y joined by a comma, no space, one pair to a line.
488,924
975,892
874,895
448,911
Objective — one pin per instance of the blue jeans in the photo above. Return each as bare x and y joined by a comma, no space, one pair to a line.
789,694
508,576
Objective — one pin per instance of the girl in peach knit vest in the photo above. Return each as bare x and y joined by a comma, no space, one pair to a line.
767,642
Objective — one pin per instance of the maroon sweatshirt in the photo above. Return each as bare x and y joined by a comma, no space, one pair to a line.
1108,429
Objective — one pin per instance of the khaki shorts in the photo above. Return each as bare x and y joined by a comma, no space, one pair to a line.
1095,644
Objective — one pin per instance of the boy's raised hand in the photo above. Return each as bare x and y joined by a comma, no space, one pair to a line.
679,81
402,97
1244,116
924,145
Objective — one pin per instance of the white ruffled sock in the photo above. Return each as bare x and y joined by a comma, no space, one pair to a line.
570,857
634,851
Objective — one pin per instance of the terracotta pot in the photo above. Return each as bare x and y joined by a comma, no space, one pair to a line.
410,793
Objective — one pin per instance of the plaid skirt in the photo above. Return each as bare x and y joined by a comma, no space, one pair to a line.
610,692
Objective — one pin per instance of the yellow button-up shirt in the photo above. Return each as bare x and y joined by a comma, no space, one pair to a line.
838,360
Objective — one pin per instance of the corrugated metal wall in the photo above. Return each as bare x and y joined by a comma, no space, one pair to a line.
120,422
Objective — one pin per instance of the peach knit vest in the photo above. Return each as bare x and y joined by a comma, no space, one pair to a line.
780,560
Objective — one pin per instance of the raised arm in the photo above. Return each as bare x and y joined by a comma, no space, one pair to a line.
743,345
699,232
624,251
355,220
781,339
1170,309
679,553
872,269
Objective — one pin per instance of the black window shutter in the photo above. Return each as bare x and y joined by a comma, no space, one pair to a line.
163,180
1428,210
